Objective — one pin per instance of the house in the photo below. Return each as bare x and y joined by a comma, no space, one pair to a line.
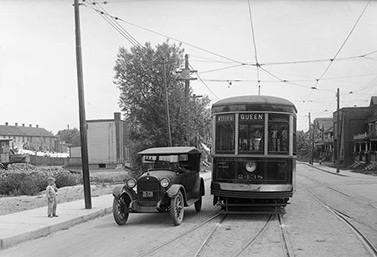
323,138
105,139
357,127
365,143
28,137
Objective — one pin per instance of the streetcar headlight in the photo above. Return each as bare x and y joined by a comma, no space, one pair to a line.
131,182
251,166
164,182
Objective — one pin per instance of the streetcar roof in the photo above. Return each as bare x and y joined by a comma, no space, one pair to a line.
171,150
254,103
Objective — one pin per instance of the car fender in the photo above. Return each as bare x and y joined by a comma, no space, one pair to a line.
119,191
198,189
174,189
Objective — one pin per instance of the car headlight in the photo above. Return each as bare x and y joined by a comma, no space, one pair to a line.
164,182
251,166
131,182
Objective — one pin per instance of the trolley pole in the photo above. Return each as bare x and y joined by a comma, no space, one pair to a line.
83,135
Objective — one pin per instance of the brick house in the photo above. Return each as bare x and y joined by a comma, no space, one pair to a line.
357,135
28,137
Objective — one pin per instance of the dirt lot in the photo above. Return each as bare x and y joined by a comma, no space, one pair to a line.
102,182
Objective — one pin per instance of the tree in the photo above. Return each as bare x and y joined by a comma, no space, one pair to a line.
139,74
70,136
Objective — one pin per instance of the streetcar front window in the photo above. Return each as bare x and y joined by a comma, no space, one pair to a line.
250,138
225,133
278,133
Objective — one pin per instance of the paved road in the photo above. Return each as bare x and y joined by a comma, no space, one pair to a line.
312,229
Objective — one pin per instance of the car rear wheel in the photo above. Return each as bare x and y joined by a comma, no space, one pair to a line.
177,209
120,211
198,205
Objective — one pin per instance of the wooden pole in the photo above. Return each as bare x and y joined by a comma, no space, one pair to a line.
83,135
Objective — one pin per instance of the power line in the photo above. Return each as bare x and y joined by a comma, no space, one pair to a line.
255,46
341,47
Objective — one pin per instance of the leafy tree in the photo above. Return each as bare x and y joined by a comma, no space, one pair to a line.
70,136
139,74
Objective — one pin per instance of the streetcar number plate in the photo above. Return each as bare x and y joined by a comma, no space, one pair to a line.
147,194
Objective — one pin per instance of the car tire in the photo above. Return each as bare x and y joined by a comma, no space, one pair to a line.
120,211
177,209
198,205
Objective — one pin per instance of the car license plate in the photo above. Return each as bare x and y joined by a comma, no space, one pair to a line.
147,194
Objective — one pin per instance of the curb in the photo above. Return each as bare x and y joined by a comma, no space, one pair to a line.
41,232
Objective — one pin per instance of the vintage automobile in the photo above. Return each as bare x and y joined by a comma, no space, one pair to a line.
170,181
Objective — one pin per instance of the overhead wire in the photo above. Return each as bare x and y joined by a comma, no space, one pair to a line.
257,64
113,22
343,44
255,45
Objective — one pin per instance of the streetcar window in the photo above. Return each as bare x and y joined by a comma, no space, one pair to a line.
278,133
225,133
250,133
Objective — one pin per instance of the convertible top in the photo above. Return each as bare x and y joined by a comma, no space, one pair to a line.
170,150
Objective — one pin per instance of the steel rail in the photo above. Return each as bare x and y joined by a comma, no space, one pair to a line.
341,216
255,237
205,241
286,243
181,235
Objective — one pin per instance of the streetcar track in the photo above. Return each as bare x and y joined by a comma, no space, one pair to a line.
286,243
255,237
342,217
205,241
182,235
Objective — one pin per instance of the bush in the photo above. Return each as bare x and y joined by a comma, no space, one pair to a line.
31,180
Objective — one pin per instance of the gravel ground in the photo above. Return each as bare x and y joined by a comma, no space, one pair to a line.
112,178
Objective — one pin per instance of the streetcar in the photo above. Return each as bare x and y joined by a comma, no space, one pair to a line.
254,152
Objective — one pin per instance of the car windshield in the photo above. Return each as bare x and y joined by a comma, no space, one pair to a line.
156,162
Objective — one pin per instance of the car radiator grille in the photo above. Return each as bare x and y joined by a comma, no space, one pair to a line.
148,189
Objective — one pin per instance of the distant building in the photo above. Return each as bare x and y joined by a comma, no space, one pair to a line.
105,139
28,137
324,138
358,129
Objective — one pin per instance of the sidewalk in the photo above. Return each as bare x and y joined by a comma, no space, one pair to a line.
22,226
327,168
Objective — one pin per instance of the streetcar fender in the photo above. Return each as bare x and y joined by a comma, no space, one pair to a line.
174,189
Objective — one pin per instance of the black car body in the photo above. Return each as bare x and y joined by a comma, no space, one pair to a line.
170,181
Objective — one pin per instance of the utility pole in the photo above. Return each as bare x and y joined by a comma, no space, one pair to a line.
185,75
83,136
167,105
311,140
337,131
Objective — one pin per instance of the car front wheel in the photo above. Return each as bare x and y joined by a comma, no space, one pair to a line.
120,211
177,209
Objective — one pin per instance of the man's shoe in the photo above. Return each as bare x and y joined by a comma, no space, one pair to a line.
54,215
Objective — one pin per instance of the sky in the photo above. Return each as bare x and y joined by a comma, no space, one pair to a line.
305,51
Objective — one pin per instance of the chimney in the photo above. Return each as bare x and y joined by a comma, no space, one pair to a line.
15,124
30,125
6,123
117,115
23,124
37,126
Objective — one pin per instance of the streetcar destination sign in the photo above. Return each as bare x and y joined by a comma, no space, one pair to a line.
251,116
